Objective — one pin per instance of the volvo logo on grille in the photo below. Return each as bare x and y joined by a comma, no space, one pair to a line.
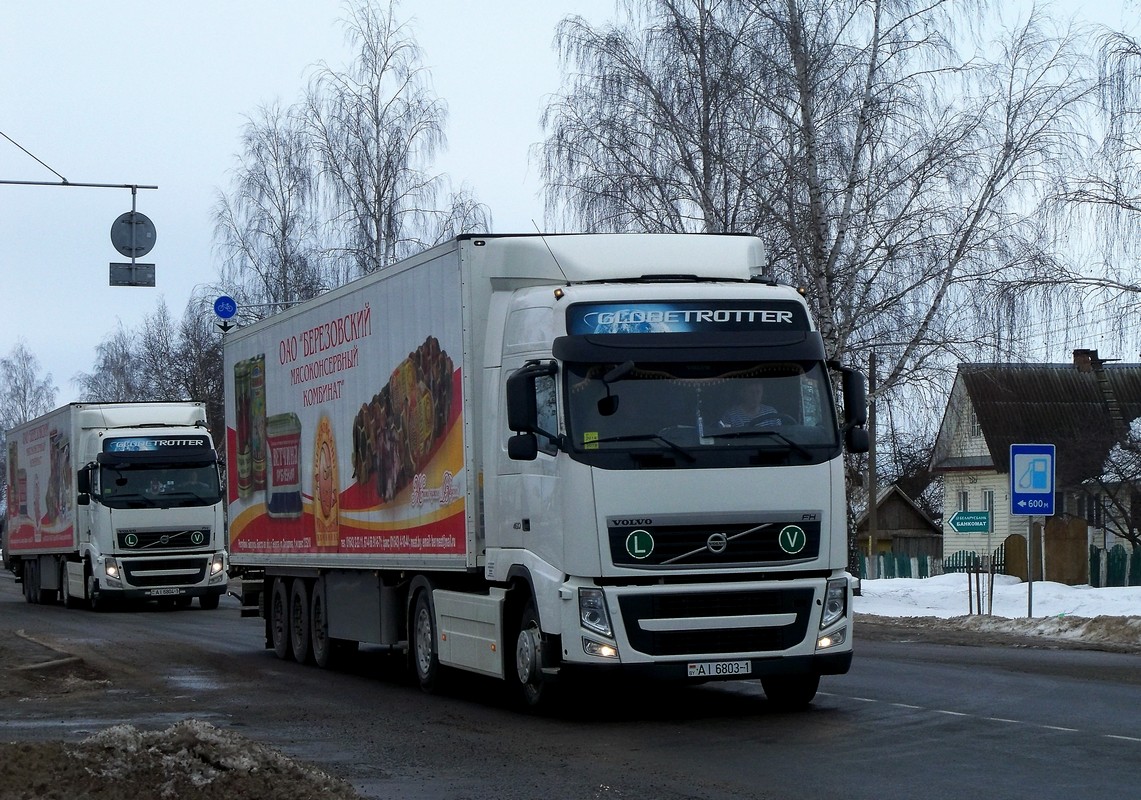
164,539
717,542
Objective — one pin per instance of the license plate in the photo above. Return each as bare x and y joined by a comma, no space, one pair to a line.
158,592
719,669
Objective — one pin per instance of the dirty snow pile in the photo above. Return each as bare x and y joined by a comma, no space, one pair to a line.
193,759
1109,615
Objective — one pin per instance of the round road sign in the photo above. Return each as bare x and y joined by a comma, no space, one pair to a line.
225,307
133,234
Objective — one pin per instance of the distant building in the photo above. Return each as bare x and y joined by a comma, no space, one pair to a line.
1085,410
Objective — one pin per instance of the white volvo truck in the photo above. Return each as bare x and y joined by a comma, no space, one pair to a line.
116,501
519,456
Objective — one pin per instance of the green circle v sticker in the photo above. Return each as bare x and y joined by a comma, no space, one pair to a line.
639,544
792,539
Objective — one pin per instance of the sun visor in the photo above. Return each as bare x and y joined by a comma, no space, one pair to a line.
678,347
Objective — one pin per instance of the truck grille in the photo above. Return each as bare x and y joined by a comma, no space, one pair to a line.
144,573
142,540
683,546
713,640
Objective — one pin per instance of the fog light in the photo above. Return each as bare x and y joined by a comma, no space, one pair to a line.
114,584
832,639
602,649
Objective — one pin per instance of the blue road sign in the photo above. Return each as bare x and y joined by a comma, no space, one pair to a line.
225,307
1032,480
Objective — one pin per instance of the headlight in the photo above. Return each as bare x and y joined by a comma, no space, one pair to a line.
592,611
835,602
111,567
217,563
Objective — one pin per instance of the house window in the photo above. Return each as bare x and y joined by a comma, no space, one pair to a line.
964,500
988,504
976,429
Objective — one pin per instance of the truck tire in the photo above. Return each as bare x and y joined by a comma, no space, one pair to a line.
425,658
279,619
95,599
299,640
326,651
31,582
64,594
790,692
532,688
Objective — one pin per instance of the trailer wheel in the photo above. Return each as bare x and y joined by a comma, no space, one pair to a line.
279,619
425,659
327,651
533,689
299,639
790,692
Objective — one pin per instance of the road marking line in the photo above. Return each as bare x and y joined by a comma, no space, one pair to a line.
1125,738
1003,719
1059,728
950,713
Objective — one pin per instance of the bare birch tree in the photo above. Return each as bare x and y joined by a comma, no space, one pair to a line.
891,178
375,128
24,395
266,228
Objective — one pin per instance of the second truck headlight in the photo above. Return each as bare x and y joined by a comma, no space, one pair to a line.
835,602
592,611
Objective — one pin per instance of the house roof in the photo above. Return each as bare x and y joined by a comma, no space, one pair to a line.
1081,408
886,494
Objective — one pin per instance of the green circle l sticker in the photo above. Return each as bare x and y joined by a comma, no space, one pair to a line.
640,544
792,539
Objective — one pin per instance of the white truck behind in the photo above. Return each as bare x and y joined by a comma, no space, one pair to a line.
513,455
116,501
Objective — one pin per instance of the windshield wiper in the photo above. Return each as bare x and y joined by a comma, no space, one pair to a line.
652,437
763,432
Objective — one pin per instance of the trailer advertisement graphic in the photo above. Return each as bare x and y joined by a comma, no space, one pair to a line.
41,505
345,439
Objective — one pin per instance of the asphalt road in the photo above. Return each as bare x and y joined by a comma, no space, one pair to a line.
914,717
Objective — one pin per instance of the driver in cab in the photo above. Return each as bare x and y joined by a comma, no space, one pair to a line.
751,410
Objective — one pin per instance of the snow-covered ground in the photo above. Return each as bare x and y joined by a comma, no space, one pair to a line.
1059,612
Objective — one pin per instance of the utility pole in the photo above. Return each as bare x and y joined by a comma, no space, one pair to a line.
873,484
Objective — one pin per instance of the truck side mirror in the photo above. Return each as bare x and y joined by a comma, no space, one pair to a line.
855,408
83,486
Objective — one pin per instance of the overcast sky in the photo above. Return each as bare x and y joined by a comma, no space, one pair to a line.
151,92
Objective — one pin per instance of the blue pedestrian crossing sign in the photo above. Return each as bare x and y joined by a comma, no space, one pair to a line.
1032,480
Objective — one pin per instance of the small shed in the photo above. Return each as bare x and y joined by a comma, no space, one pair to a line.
902,528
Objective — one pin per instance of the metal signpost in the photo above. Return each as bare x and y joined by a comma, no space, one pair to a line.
1031,494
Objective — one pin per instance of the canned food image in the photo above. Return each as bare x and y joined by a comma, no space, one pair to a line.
242,422
283,440
257,421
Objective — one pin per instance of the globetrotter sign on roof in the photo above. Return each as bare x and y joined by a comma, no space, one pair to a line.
685,317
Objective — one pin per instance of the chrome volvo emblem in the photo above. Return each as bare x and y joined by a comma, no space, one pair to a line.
717,543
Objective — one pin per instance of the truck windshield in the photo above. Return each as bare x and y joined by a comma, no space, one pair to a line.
631,414
158,485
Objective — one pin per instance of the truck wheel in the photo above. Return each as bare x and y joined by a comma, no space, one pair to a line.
95,598
64,594
425,660
790,692
299,639
533,690
279,619
31,582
